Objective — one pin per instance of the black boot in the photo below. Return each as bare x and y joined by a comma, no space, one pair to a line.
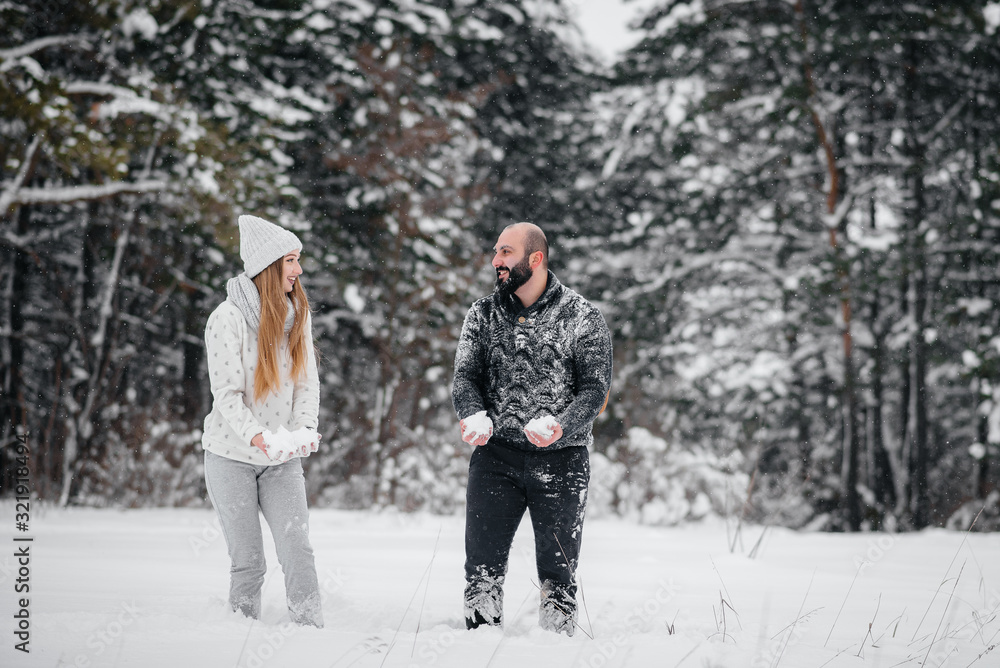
484,602
557,608
477,620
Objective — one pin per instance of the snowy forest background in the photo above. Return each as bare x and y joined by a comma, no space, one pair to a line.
789,212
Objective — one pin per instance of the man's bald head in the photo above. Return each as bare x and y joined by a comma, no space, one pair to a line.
534,240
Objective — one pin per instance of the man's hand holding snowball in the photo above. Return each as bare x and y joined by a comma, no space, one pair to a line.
544,431
477,428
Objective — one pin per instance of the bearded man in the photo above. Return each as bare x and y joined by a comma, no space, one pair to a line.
532,373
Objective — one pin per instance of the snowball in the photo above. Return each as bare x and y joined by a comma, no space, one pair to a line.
278,445
282,445
544,426
476,425
306,441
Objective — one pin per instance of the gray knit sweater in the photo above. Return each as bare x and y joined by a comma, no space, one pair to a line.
516,363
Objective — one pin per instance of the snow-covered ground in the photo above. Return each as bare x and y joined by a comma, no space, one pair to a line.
147,588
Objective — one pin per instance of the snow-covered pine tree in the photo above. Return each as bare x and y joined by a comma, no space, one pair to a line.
742,138
96,155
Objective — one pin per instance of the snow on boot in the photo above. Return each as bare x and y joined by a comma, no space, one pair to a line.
248,606
308,612
477,620
557,610
484,602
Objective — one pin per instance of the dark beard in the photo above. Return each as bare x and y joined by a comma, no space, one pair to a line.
519,274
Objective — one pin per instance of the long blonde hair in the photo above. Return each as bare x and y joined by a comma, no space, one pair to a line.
273,311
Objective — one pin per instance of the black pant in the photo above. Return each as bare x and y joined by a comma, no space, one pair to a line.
503,482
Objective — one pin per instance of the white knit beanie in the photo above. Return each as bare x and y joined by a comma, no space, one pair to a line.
262,243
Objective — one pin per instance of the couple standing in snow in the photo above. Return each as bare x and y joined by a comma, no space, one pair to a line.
532,372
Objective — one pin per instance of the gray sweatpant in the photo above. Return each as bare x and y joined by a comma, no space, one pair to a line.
237,490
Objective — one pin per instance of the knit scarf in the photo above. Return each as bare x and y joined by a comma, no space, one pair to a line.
243,293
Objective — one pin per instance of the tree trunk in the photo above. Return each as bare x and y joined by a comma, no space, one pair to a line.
918,398
905,426
919,502
193,399
981,469
95,350
849,409
980,487
882,480
13,411
852,439
76,358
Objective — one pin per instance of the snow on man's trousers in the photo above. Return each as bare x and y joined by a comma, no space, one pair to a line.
237,490
552,487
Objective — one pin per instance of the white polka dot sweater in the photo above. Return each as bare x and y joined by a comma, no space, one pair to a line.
231,345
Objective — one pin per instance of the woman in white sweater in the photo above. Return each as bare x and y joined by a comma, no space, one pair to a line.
265,411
